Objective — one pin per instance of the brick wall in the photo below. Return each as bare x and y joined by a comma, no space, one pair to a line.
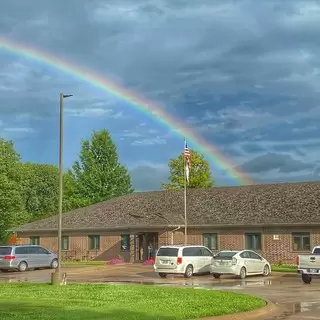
276,250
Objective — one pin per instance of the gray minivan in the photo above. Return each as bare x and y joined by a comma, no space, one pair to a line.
23,257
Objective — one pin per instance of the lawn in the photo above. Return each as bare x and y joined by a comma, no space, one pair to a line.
284,268
127,302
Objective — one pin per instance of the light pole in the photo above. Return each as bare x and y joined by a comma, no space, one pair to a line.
62,97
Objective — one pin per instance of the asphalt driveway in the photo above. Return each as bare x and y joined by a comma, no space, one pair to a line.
295,299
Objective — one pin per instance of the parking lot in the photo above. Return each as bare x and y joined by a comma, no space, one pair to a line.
294,299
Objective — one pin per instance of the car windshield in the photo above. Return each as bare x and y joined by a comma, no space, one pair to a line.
226,255
5,251
316,251
168,252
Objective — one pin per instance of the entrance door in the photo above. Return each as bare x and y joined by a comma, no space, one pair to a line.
152,243
146,245
138,247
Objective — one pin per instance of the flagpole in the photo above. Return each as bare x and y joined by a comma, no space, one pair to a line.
185,198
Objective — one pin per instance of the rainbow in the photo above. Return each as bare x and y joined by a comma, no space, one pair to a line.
148,108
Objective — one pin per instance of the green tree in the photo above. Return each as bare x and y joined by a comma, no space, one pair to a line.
200,173
12,210
98,175
40,189
70,198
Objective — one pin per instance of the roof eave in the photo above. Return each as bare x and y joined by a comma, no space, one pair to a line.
155,227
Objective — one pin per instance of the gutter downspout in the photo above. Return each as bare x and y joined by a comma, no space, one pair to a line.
172,231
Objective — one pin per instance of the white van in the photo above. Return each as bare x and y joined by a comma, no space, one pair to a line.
184,259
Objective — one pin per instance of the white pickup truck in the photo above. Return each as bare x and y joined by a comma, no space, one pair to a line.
309,265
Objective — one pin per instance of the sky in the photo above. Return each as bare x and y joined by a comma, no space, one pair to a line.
244,75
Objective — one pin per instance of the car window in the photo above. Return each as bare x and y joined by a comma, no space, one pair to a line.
20,250
191,252
167,252
5,251
253,255
40,250
206,252
226,255
31,250
245,255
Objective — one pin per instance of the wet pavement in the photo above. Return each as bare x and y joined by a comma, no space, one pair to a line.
295,300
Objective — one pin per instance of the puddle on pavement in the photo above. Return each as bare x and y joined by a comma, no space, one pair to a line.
295,308
197,285
301,307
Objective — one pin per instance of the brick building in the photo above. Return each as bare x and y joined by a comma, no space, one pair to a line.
277,220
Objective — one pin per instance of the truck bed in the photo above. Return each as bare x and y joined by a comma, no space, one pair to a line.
310,263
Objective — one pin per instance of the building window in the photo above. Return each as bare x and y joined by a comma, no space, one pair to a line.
35,241
65,243
94,242
125,242
253,241
210,240
301,241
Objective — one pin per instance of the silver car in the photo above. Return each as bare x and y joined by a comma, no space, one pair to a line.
23,257
239,263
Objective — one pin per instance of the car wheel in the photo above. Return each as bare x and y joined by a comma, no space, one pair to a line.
306,278
189,271
243,273
22,266
54,264
216,275
162,275
266,270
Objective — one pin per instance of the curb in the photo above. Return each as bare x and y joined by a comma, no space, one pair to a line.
266,310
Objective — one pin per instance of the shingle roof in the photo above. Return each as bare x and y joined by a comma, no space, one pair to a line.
266,204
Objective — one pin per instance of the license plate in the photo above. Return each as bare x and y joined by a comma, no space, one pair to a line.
164,261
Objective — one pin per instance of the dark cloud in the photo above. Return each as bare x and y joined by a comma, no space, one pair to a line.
252,148
271,161
247,80
146,177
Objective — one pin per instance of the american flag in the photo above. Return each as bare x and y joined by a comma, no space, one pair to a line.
187,157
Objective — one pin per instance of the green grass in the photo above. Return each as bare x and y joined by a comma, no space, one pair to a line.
283,268
127,302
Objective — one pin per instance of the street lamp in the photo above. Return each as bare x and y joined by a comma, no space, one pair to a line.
62,97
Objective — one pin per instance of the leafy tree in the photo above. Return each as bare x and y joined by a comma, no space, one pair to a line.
200,173
12,210
98,175
70,198
41,190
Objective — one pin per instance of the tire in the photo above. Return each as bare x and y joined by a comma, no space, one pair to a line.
243,273
189,271
266,270
162,275
23,266
216,275
306,278
54,264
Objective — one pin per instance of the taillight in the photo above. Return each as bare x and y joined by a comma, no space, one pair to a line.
234,261
179,260
297,260
9,257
